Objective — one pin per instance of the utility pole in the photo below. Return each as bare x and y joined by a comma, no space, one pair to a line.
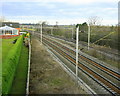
33,30
41,33
72,33
88,36
51,30
77,34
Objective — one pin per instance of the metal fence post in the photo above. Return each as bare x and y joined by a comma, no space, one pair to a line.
88,36
77,34
41,33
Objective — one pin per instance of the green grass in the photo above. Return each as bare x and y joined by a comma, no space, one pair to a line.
11,58
14,66
7,46
0,67
19,85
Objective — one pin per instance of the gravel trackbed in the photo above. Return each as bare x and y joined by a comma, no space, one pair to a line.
47,76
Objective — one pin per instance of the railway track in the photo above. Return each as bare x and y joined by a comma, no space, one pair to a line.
102,51
111,87
104,82
102,67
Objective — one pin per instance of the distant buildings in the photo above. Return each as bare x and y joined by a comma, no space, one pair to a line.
6,30
9,29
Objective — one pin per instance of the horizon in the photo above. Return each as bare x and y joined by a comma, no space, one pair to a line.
64,12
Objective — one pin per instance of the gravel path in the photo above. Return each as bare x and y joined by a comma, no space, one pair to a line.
47,76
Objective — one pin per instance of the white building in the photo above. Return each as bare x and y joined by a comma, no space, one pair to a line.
6,30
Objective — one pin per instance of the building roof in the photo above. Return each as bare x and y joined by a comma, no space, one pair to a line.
7,28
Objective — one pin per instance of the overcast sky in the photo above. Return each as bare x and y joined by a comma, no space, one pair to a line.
63,11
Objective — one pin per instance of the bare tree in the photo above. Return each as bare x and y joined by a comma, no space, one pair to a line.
94,20
44,23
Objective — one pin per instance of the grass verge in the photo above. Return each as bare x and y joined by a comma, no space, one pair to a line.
19,82
7,46
10,64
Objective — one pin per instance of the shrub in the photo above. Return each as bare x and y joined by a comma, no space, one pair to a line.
9,66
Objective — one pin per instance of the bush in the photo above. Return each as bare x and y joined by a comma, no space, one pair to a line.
9,66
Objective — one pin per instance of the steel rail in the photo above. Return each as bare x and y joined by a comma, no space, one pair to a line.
107,70
69,71
100,77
